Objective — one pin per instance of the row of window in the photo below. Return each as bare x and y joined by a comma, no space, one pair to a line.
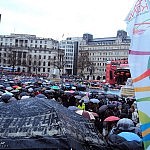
109,53
26,41
106,47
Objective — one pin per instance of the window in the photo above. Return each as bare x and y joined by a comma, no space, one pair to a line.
43,69
39,56
39,63
44,56
44,63
49,63
24,55
34,62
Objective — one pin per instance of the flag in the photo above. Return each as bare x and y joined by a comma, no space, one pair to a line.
138,28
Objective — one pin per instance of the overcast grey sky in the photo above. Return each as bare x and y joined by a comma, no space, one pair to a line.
53,18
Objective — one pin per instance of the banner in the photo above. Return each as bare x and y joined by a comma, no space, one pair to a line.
138,28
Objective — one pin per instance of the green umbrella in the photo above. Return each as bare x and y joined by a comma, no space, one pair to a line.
55,87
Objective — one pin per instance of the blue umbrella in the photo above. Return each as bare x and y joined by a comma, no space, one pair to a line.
73,108
40,96
130,136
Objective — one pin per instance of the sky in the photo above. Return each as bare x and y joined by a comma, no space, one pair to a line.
59,19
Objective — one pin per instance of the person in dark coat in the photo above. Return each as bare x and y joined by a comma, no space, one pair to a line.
117,142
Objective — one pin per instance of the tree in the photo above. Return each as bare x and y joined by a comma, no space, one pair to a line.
83,62
12,58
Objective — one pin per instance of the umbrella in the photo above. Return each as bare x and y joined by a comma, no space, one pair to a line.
30,89
125,124
87,114
103,108
54,87
15,86
25,97
41,96
95,114
49,91
9,88
23,94
111,96
111,118
14,91
5,97
45,124
2,86
130,136
9,93
74,108
1,93
101,96
77,97
85,99
94,100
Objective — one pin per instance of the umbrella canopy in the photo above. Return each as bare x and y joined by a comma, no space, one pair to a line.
111,118
49,91
74,108
130,136
41,96
14,91
15,86
5,97
85,99
41,123
55,87
9,88
125,124
94,100
25,97
103,108
87,114
77,97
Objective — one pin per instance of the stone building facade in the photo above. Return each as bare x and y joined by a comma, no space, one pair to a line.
30,54
100,50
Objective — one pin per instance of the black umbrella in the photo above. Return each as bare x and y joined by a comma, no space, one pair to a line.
103,108
41,123
41,96
5,97
23,94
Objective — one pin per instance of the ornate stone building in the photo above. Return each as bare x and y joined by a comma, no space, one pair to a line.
30,54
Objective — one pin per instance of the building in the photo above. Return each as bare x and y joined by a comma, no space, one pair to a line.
30,54
71,48
94,54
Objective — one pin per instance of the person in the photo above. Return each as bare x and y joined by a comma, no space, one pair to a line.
81,105
135,116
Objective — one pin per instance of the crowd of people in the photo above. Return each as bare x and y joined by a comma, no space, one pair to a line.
122,111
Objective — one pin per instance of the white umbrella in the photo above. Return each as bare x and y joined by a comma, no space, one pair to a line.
94,100
85,99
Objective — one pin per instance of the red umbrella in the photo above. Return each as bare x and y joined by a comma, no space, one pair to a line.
112,118
15,86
